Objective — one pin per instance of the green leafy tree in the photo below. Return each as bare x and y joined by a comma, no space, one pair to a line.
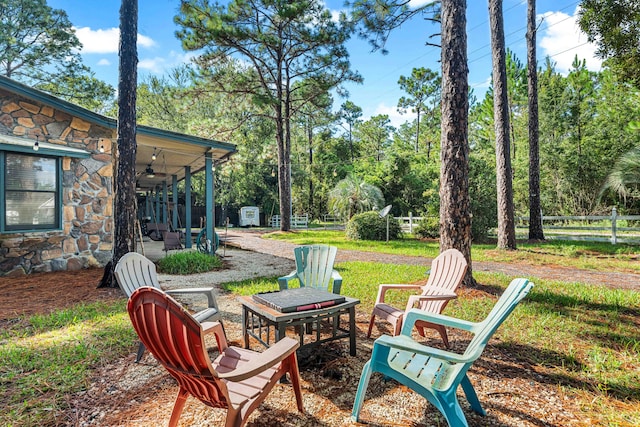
38,46
167,102
422,86
282,42
579,149
374,136
615,140
614,25
352,195
377,19
584,129
517,102
351,114
313,121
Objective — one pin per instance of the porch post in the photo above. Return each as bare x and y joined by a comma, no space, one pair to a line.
174,197
147,204
157,218
165,202
208,165
187,205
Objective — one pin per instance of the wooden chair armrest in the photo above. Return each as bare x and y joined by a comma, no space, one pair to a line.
414,315
216,328
418,298
208,292
408,344
265,360
382,289
283,282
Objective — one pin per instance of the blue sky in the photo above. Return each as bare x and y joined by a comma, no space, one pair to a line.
97,22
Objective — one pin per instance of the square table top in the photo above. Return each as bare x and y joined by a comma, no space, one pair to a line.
298,299
278,316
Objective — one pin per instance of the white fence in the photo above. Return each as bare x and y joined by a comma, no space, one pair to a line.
297,221
407,223
612,228
599,228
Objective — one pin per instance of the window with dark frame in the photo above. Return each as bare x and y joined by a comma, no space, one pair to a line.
31,192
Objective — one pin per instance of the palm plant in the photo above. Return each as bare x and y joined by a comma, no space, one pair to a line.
353,195
624,178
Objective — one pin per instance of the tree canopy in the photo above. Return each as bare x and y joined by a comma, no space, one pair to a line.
614,25
293,52
38,46
422,86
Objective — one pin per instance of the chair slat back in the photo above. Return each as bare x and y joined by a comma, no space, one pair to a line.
175,339
134,270
515,292
314,265
447,272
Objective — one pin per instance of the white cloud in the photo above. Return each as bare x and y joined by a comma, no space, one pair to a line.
181,57
146,42
561,39
104,61
159,65
395,117
106,41
155,65
98,41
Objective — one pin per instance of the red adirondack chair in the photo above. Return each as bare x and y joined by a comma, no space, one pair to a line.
237,380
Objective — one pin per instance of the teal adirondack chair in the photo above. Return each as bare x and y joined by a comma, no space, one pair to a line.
433,373
314,268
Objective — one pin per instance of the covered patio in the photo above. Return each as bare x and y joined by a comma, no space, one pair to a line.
163,159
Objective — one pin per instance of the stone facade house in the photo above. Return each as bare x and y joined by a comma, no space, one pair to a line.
57,179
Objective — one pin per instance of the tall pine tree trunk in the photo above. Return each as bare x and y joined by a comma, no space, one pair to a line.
310,141
535,207
455,206
506,221
124,206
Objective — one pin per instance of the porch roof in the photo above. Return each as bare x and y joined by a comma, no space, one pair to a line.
174,151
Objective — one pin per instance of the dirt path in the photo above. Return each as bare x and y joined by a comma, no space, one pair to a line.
251,240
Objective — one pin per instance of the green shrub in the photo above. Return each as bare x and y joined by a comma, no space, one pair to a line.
369,226
188,262
428,228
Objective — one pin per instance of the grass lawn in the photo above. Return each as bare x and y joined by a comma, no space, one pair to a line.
596,256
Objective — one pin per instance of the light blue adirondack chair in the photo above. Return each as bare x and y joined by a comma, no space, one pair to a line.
314,268
433,373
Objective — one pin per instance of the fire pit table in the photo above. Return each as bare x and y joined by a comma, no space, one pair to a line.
303,308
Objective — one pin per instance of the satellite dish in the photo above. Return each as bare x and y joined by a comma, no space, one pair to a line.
385,211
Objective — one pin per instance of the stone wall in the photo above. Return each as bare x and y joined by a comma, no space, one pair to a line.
87,192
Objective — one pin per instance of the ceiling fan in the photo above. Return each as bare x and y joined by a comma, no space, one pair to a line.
150,173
